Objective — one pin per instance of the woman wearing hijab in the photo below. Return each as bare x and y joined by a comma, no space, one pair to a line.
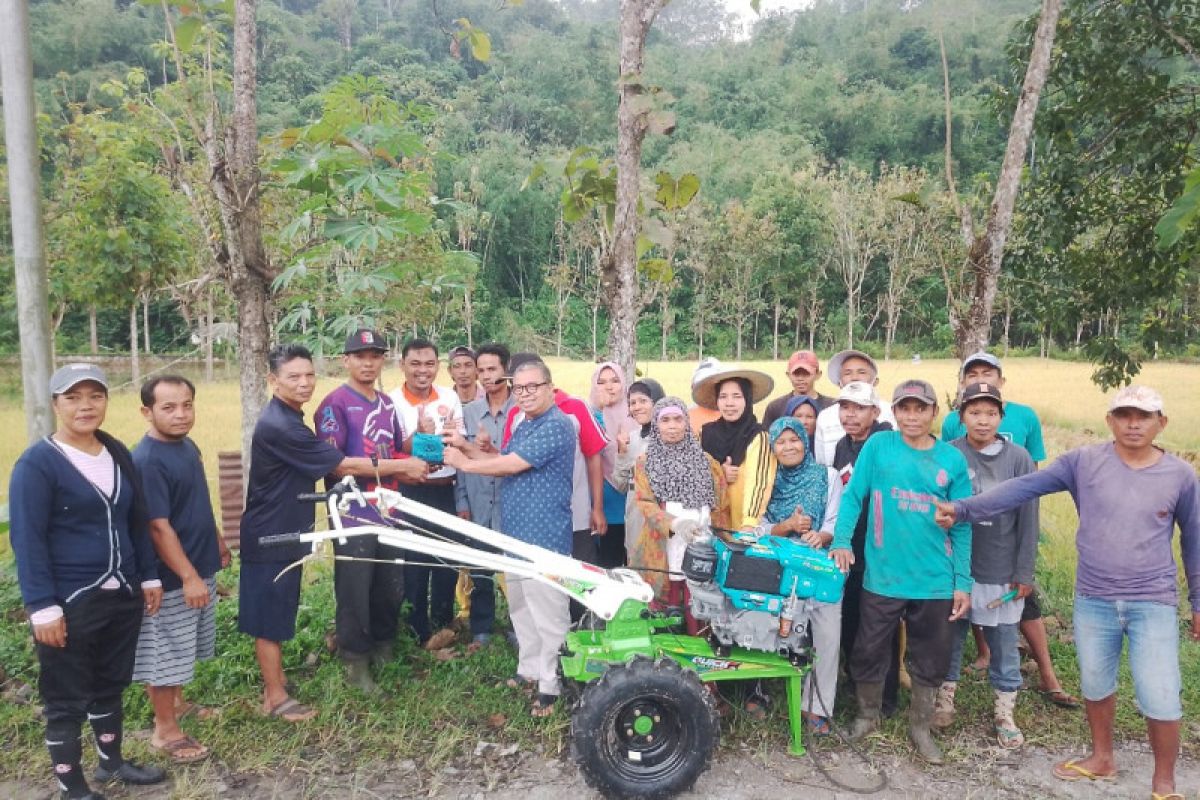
673,469
803,504
611,412
631,443
736,441
806,410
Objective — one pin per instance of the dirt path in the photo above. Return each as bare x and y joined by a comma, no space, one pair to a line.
496,774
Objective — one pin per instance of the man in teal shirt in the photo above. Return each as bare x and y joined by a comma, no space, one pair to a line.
915,571
1020,425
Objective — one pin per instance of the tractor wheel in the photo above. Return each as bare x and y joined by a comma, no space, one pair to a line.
645,729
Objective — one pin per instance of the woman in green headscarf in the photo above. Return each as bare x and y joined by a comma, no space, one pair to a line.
803,504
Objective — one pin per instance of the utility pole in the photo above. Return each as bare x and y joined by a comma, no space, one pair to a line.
24,194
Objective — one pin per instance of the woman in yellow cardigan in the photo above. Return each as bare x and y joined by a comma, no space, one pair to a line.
736,441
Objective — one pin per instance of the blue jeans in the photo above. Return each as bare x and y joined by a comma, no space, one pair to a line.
1101,627
1004,670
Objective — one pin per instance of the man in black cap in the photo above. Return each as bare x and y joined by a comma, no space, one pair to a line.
361,421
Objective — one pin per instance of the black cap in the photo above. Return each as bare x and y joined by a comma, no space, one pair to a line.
982,391
519,360
365,339
461,350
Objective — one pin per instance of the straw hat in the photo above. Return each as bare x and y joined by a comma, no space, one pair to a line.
704,389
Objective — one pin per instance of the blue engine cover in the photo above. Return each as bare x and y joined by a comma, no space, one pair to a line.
759,574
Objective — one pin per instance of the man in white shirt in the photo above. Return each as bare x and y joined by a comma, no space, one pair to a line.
845,367
426,408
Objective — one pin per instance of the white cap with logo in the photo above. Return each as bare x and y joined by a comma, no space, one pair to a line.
859,393
1139,397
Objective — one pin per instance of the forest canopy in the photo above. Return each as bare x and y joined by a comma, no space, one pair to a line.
442,168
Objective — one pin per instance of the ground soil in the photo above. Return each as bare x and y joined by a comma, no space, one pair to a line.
500,773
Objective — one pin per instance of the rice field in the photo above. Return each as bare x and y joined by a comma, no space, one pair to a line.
1060,391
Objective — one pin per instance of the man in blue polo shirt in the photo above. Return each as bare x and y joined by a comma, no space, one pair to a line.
537,466
286,459
362,422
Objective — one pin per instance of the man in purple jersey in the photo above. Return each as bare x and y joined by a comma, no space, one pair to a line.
361,421
1130,495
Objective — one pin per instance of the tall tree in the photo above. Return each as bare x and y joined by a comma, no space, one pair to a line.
635,108
29,257
972,328
229,148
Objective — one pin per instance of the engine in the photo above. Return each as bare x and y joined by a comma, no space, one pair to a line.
755,591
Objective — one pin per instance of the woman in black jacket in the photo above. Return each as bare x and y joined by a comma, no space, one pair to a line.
87,572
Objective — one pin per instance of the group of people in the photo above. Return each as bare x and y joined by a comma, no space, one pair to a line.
117,552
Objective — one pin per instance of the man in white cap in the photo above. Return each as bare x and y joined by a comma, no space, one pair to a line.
1020,424
1130,495
844,367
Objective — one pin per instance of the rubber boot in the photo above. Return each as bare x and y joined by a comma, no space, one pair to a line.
870,700
1007,733
920,715
943,708
358,675
382,654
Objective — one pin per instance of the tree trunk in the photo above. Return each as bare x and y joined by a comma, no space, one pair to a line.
469,313
25,196
775,331
250,272
666,323
618,273
146,322
93,335
851,314
208,337
135,367
987,252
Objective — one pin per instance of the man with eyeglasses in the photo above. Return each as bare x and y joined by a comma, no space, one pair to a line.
536,467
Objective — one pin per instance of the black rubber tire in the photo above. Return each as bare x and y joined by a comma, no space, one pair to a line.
620,761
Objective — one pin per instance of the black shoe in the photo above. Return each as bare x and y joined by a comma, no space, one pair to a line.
131,773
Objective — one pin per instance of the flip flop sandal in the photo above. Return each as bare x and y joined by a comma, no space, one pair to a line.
756,707
172,750
1168,796
1059,698
543,706
292,710
1070,771
818,726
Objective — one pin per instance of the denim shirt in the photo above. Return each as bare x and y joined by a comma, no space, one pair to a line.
480,494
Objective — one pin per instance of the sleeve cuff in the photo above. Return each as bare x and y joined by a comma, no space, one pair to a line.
152,584
45,615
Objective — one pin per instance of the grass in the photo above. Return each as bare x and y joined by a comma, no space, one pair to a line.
436,712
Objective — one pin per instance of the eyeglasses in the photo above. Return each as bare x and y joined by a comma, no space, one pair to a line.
529,388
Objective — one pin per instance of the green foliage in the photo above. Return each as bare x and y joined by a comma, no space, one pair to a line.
365,238
1116,129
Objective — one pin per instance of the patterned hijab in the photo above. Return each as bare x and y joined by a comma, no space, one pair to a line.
678,473
613,418
722,439
805,485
